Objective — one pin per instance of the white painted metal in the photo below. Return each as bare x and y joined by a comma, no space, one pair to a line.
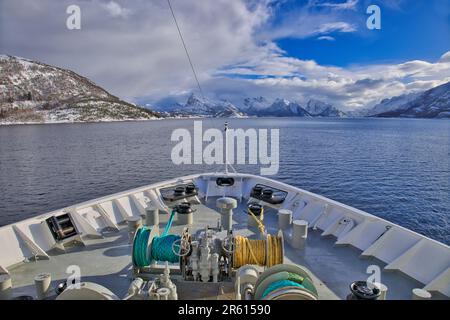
5,286
420,294
42,283
424,259
106,217
383,290
185,219
441,283
36,250
226,206
87,291
284,219
82,225
152,216
299,233
134,223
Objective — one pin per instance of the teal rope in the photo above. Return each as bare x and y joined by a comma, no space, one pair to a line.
169,223
139,256
161,246
280,284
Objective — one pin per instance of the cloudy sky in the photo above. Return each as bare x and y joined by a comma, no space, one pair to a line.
298,50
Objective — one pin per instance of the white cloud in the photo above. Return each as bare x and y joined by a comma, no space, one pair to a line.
338,26
140,57
327,38
349,4
116,10
349,88
445,57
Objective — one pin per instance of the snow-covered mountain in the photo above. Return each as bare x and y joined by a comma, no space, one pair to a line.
284,108
318,108
203,107
257,106
35,92
395,103
433,103
253,106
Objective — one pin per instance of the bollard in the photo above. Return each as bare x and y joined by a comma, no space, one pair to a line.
134,223
284,218
5,286
152,216
42,283
185,218
299,233
383,290
226,206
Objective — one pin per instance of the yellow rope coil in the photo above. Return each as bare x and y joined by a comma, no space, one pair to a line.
267,252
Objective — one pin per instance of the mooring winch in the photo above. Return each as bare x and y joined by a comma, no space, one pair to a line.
211,254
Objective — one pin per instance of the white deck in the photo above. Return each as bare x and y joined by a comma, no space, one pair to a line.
335,256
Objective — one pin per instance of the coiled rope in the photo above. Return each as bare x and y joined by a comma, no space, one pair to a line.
280,284
161,248
139,256
293,280
267,252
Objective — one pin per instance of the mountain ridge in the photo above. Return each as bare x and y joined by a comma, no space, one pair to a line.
256,106
32,91
36,92
431,103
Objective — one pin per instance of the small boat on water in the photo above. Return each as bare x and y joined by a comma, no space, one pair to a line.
222,235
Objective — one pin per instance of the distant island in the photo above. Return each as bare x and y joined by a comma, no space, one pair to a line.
34,92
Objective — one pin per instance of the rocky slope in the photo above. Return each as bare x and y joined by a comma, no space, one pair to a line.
35,92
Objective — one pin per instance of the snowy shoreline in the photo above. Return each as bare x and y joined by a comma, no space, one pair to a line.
12,123
194,118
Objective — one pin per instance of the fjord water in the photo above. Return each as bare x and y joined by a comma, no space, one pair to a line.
397,169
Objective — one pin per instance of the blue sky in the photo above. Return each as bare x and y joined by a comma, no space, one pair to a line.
410,30
298,50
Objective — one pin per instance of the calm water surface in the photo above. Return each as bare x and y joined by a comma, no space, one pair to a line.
395,169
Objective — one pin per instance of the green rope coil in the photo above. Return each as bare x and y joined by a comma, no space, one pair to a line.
293,280
162,248
305,282
280,284
139,257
